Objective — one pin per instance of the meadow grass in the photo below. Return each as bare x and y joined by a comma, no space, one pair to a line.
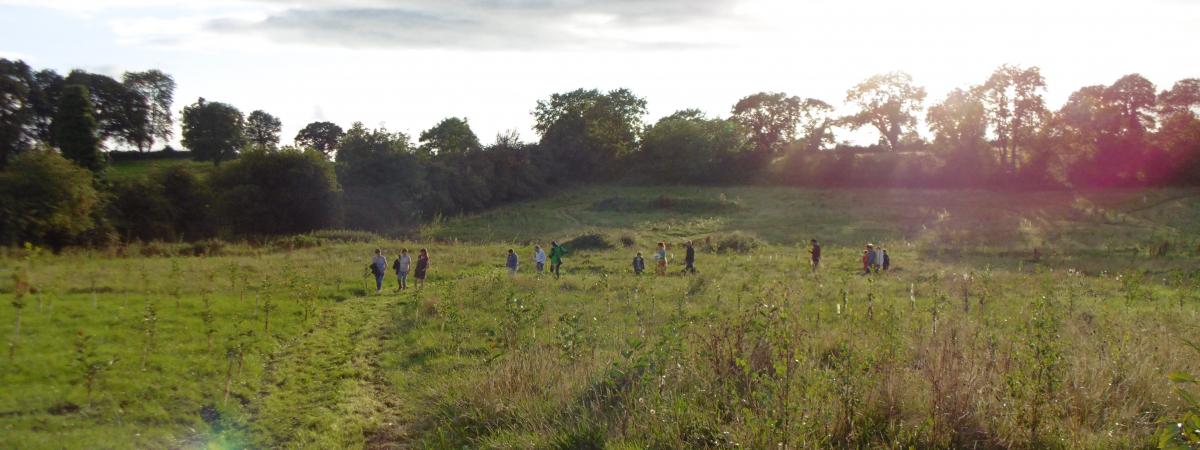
968,342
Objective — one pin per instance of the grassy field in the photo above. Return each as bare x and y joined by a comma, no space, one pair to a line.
971,340
130,170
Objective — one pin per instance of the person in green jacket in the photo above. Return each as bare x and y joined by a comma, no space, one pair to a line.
556,254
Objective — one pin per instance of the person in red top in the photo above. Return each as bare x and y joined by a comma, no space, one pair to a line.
866,260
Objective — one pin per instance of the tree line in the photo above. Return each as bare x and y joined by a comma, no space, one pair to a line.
997,134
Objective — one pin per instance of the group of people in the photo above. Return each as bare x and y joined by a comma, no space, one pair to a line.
873,259
400,267
660,258
539,259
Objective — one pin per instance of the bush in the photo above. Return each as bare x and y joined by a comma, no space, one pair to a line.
277,192
45,199
737,242
170,205
591,241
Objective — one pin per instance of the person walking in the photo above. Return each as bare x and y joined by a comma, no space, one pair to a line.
402,265
539,258
815,253
887,261
866,261
378,268
639,264
422,267
556,254
689,258
660,258
511,263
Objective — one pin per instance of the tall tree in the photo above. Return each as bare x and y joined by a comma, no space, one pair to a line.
959,127
1012,97
322,136
770,118
75,130
688,147
887,102
123,113
588,131
262,129
213,131
158,89
450,136
16,109
48,87
1132,100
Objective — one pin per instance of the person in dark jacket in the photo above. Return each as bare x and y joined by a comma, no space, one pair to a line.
378,268
639,264
689,259
422,267
887,260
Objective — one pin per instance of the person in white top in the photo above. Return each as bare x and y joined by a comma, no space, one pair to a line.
539,258
402,264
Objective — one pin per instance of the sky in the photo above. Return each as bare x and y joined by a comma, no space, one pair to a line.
407,64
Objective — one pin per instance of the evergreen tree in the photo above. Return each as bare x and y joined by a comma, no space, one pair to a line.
75,128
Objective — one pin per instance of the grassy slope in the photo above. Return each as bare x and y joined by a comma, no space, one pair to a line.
603,357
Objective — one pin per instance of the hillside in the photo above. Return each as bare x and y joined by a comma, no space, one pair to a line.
969,341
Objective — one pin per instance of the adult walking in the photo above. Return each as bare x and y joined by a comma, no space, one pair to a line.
556,254
511,262
660,257
422,267
378,268
815,253
402,265
539,258
689,259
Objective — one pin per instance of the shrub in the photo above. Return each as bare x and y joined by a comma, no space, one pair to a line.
590,241
278,192
45,198
737,242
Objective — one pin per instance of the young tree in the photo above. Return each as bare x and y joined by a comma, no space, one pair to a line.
75,129
262,129
158,89
450,136
887,102
587,130
213,131
322,136
1012,98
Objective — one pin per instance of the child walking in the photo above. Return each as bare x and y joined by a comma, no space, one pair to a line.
661,257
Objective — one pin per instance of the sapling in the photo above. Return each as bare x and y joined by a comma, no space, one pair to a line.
89,364
235,355
176,280
208,318
149,329
267,305
20,291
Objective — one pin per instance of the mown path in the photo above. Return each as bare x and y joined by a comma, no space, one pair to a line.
324,389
